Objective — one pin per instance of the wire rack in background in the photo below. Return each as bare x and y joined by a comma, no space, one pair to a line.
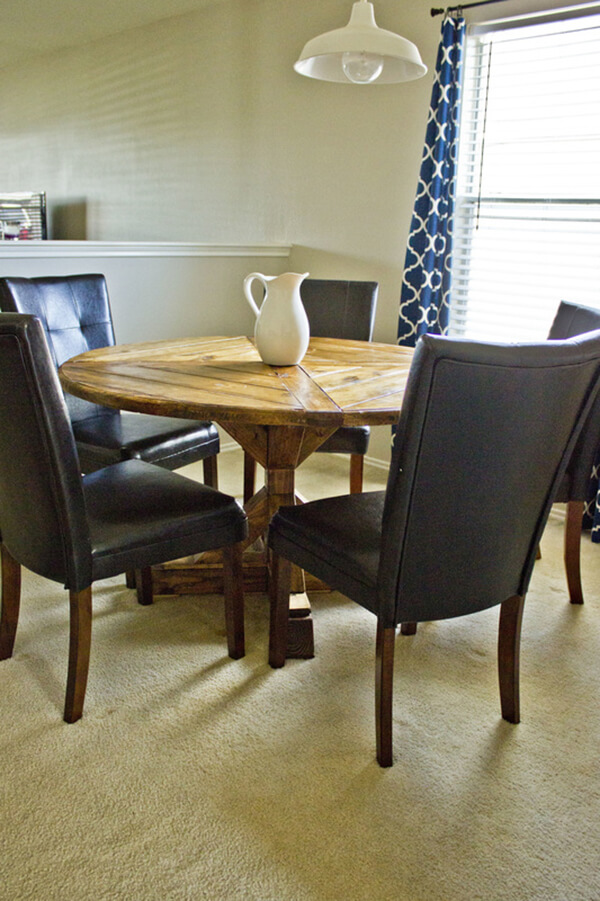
23,216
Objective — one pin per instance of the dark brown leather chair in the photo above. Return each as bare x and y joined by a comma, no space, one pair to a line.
336,309
76,315
75,530
570,320
483,441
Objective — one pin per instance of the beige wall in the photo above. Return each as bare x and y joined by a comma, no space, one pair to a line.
157,291
198,129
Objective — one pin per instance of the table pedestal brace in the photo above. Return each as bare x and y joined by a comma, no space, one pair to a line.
279,449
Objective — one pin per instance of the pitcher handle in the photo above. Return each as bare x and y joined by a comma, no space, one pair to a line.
248,292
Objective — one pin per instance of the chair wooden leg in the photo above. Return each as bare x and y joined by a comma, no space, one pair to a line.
143,585
11,599
210,471
357,465
384,683
279,595
575,510
130,578
249,476
80,639
509,640
233,584
408,628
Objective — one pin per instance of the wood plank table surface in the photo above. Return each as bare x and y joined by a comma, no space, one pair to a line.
278,414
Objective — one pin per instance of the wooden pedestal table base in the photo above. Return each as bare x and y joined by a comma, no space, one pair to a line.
280,450
279,414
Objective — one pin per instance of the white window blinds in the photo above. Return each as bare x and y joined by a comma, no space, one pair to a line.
527,227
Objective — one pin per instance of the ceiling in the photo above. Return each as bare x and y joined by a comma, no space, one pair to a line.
31,27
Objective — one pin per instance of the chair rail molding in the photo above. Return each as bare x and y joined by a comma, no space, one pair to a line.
59,249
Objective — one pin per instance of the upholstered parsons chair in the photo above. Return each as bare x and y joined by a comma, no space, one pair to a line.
336,309
76,529
483,441
570,320
76,315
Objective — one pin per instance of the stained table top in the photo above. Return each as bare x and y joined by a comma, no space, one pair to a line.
223,379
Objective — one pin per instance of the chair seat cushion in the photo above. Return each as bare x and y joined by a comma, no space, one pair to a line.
348,439
140,514
168,442
337,539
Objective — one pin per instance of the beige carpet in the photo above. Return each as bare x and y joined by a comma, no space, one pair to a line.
192,776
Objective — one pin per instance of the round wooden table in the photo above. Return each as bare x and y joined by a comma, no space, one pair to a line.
279,415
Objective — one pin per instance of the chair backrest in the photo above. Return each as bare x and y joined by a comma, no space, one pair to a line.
571,320
75,313
340,309
482,443
42,511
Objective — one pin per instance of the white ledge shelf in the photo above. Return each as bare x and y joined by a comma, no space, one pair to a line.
60,249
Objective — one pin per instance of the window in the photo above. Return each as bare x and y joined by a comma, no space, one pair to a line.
527,223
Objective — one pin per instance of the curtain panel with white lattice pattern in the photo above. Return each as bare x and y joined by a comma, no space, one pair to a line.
425,296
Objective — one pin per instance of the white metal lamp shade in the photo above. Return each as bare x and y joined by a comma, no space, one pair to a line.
361,53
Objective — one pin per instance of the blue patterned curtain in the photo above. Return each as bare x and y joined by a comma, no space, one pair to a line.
591,516
425,298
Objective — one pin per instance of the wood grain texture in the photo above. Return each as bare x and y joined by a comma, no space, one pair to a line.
338,382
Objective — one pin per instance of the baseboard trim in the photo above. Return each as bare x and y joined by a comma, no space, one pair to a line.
558,511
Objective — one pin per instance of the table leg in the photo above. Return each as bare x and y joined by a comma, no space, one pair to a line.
279,484
279,450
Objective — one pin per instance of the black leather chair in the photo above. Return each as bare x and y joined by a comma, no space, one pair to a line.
76,530
570,320
76,315
336,309
483,440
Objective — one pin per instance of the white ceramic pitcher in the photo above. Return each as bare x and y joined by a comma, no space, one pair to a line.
282,332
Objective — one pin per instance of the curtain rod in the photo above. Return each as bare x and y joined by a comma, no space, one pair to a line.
435,11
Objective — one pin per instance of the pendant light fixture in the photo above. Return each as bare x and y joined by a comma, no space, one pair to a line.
361,53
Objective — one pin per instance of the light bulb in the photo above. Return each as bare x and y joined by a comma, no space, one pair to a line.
360,67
